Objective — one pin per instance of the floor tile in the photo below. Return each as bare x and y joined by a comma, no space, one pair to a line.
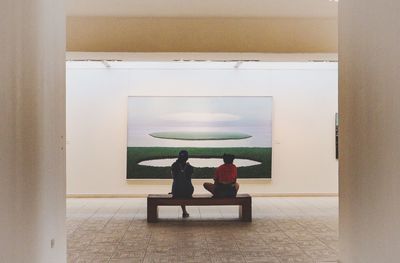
298,230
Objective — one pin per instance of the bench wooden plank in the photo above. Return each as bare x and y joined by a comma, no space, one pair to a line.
242,200
169,196
198,200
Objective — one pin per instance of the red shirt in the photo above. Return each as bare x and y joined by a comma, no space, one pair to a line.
226,173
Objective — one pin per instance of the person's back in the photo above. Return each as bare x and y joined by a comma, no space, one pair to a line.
226,173
182,176
181,172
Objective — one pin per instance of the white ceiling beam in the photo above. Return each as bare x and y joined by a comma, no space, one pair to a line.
174,56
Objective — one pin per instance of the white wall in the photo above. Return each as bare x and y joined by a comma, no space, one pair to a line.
370,131
32,126
304,106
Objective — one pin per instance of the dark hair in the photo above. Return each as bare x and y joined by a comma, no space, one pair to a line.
228,158
183,156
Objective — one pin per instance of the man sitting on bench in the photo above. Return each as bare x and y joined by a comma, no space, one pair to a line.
225,184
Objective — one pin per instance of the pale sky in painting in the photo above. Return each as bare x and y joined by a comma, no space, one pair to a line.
227,114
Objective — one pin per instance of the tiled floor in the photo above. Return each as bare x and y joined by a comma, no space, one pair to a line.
283,230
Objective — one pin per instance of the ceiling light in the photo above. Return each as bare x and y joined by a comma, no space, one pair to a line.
106,64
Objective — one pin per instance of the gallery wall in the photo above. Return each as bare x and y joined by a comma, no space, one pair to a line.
304,106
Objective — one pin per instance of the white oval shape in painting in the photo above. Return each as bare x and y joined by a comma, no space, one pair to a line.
198,162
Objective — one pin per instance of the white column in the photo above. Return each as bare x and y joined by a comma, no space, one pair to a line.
369,106
7,131
32,131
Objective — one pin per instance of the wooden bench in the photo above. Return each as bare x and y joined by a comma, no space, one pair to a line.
242,200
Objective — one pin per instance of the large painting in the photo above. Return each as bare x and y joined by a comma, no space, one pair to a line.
207,127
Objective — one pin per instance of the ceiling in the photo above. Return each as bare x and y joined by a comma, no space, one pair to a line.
203,8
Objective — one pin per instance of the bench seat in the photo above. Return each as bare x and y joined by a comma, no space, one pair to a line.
242,200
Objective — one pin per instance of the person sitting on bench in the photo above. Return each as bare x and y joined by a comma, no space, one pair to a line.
225,184
181,172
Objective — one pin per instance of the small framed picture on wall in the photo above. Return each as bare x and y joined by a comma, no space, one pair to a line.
337,135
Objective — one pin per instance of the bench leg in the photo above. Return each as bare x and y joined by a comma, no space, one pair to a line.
245,212
152,212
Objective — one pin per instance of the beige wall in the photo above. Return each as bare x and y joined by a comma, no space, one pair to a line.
274,35
32,111
369,108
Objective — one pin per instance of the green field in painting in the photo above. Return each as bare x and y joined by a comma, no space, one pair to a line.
136,155
200,136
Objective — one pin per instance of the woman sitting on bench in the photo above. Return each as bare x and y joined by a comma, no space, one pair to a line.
182,172
225,184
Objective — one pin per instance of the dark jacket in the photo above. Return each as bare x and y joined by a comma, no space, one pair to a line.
182,175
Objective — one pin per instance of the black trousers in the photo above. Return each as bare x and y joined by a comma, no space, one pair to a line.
225,190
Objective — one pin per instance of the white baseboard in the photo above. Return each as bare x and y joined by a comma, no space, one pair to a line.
252,194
